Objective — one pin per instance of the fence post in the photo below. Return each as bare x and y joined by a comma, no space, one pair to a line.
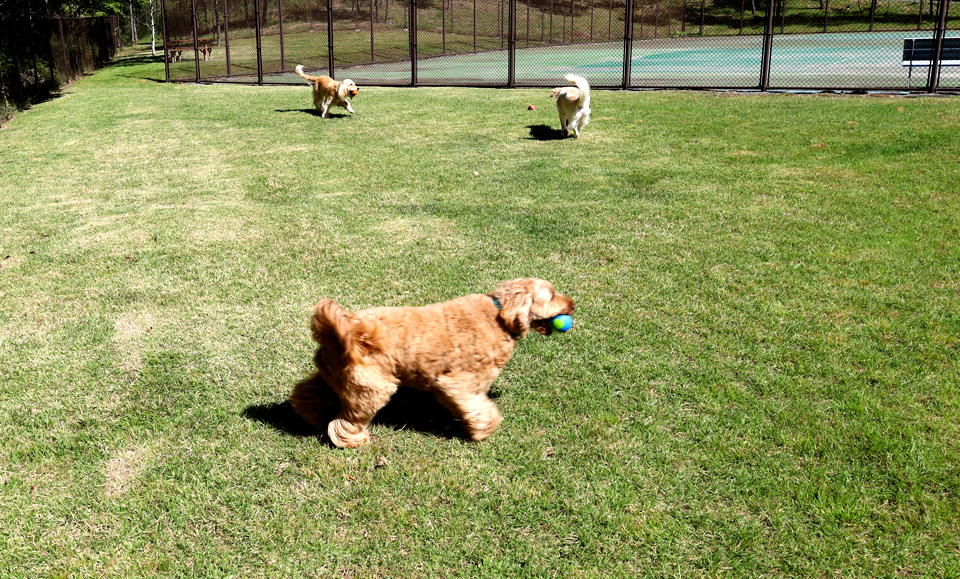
226,37
500,19
933,78
330,38
283,56
512,44
166,41
703,9
591,20
628,42
767,48
49,36
78,49
118,42
196,43
63,50
413,42
256,26
609,22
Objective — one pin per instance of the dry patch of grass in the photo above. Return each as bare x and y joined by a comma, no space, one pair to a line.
123,469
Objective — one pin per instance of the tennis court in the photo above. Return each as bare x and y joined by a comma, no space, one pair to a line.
840,60
765,44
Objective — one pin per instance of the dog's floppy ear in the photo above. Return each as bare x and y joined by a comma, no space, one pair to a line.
515,313
342,92
515,299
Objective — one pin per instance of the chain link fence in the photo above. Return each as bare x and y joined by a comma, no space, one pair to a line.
39,55
724,44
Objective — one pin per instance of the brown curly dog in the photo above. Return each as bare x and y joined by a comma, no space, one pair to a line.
455,349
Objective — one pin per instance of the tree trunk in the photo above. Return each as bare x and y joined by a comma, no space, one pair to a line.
133,26
153,29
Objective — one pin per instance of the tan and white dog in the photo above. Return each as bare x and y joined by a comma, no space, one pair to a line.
573,104
328,92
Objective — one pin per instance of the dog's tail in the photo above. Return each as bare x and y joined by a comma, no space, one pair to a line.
583,86
333,325
305,76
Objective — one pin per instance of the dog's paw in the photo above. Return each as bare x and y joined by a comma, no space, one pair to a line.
482,422
346,434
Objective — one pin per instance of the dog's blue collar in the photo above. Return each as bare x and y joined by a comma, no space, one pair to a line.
496,302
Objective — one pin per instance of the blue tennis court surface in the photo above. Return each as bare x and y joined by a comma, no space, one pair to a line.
797,61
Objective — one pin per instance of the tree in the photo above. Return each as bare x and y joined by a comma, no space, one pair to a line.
28,67
144,12
153,28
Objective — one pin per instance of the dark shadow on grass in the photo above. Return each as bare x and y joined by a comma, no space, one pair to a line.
408,409
281,417
545,133
313,112
123,62
135,60
135,77
43,97
418,410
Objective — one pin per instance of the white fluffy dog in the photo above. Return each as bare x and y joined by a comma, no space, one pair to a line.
573,104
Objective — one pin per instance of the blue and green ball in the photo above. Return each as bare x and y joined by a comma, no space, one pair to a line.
561,323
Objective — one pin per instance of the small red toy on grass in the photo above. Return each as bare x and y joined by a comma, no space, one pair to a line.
532,108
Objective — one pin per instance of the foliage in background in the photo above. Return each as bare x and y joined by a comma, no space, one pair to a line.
39,52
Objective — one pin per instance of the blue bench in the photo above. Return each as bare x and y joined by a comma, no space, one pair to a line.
919,52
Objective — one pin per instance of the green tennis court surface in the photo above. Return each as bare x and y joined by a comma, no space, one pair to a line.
854,60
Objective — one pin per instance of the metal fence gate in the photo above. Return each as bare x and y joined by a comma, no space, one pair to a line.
725,44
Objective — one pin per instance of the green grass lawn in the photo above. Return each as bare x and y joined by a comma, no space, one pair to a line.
761,381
